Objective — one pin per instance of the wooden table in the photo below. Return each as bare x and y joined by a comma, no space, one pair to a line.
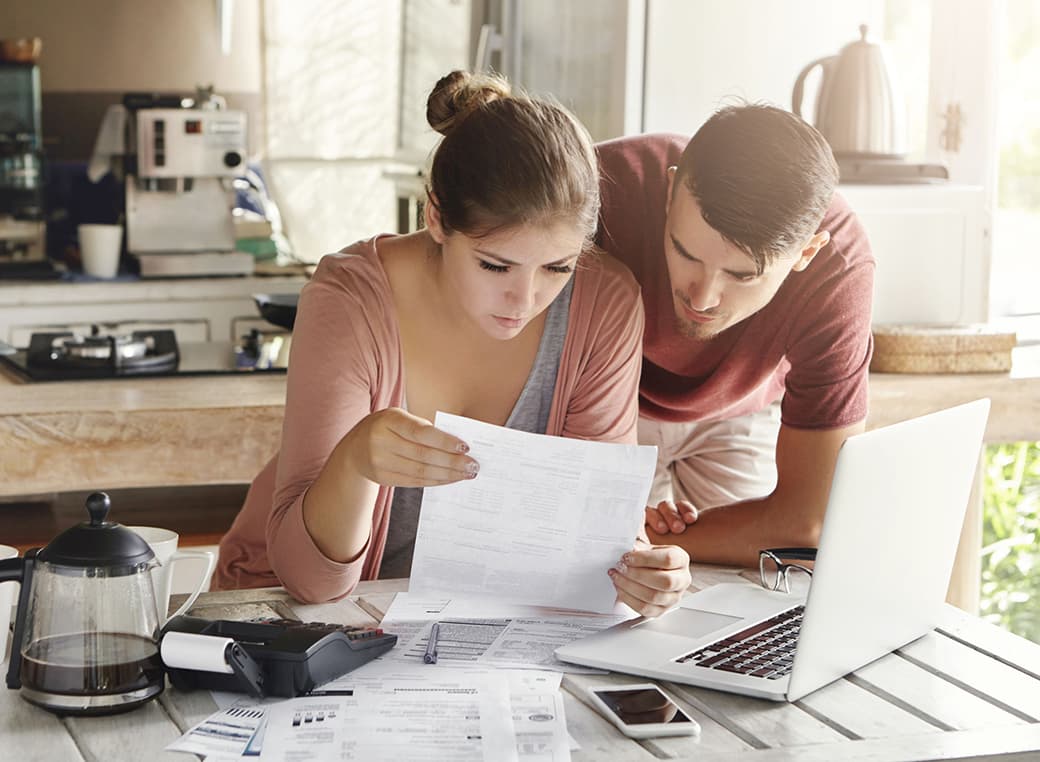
966,691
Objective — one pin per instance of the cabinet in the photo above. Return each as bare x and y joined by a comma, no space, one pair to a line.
204,309
932,248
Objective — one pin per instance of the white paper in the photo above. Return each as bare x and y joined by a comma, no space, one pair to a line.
414,607
519,637
527,642
541,524
227,733
310,728
355,722
538,716
458,717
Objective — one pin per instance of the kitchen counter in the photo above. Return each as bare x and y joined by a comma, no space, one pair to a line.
215,430
1014,416
222,429
136,433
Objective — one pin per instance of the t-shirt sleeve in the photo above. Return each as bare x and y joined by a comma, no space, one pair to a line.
826,386
329,390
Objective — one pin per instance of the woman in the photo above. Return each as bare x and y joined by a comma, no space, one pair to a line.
494,311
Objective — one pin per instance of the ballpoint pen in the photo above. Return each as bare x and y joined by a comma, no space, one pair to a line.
430,657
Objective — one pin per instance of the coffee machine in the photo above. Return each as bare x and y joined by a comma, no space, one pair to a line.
182,156
22,226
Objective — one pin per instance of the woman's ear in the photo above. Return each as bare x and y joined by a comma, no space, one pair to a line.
432,219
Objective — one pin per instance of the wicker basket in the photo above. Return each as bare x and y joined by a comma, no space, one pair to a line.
900,348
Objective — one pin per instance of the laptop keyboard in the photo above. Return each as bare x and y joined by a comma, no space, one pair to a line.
762,650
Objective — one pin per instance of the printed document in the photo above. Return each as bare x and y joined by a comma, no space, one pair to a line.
469,718
482,633
413,714
542,523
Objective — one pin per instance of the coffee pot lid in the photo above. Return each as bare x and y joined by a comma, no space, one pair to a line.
98,543
862,42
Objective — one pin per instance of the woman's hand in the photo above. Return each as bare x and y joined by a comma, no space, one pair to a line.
652,578
668,517
398,449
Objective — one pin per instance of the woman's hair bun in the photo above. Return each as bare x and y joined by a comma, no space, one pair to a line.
460,93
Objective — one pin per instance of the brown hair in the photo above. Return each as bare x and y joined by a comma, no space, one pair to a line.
507,159
762,177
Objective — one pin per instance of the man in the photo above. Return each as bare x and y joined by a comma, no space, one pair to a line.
756,278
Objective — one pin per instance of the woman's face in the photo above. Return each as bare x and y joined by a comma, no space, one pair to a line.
504,280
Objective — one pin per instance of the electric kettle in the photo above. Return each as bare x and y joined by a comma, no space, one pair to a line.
86,627
858,108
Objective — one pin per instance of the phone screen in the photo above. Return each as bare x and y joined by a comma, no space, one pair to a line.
642,706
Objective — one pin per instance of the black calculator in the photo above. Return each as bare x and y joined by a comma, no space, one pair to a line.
292,657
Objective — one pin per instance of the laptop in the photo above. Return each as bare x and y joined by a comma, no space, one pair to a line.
883,565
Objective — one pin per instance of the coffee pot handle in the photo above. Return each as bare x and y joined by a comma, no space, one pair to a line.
11,569
799,84
18,570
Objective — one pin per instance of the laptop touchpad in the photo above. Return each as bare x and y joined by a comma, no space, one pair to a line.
693,623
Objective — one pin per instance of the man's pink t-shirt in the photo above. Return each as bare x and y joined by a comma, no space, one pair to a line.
811,344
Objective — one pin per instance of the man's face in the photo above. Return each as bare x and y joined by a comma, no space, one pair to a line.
714,284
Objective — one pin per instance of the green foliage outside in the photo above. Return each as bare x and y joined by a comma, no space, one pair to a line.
1011,538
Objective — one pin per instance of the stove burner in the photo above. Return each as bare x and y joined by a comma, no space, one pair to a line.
56,356
99,347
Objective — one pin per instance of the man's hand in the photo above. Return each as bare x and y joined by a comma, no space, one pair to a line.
789,517
652,578
668,517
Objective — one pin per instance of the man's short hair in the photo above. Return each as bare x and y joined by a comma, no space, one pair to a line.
762,177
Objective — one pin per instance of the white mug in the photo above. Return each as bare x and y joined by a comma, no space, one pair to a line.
7,599
163,543
100,247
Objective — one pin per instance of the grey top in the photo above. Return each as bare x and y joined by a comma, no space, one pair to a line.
530,413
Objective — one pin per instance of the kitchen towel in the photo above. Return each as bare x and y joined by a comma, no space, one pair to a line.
109,142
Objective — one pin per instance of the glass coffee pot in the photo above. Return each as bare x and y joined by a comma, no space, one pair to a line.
85,635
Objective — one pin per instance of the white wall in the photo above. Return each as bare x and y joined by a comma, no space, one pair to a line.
588,54
701,52
150,45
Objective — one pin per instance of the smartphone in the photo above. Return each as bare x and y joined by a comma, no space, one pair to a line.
642,710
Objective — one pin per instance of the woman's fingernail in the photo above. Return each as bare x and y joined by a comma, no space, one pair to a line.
472,469
462,447
678,526
612,572
662,527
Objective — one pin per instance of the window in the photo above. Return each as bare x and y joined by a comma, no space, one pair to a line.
1016,228
345,85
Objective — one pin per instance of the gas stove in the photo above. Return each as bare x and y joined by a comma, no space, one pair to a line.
69,356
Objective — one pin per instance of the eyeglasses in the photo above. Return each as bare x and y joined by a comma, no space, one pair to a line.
775,574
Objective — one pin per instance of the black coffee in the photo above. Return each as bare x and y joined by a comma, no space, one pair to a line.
91,663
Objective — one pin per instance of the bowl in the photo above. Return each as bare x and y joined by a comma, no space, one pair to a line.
279,309
21,50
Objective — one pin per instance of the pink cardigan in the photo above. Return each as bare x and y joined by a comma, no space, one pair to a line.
346,362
